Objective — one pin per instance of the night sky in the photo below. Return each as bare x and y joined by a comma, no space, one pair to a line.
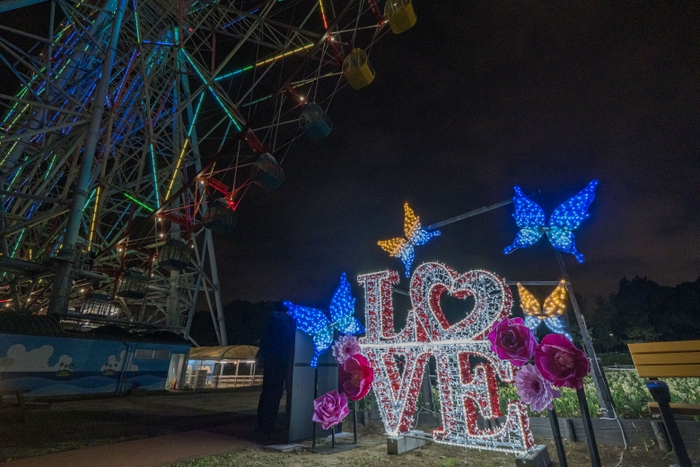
478,97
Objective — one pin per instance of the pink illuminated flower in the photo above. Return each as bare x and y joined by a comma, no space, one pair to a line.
330,409
534,390
513,341
561,363
355,377
345,347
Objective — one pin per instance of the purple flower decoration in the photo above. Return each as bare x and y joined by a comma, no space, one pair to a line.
330,409
533,389
511,340
345,347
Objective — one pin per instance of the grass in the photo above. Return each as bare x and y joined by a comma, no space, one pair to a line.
214,461
629,393
449,462
243,459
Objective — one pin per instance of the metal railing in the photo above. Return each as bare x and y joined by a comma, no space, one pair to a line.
195,381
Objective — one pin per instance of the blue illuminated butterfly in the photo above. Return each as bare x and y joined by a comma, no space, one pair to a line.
566,218
315,323
402,248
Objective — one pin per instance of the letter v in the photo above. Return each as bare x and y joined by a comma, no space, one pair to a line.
397,401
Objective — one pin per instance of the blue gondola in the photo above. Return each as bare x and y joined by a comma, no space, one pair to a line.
267,172
315,122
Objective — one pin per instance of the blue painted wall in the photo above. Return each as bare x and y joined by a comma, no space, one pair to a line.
49,366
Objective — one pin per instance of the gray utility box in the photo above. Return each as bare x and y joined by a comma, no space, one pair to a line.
401,444
538,457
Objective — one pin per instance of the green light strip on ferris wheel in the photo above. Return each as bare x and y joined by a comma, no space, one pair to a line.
155,176
17,242
136,22
216,96
139,202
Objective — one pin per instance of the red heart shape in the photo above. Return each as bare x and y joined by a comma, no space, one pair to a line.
492,302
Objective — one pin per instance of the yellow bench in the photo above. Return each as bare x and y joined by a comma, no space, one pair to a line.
679,359
677,409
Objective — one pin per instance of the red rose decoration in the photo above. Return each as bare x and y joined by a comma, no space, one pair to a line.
513,341
355,377
561,363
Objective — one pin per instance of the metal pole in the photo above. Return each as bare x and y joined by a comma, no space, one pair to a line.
63,280
588,428
354,422
515,283
49,56
9,5
601,388
313,440
6,251
217,290
190,314
554,422
204,280
466,215
427,390
172,304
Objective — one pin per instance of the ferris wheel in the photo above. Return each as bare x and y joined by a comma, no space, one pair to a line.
141,125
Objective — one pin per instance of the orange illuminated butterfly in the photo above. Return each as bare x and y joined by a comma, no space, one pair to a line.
402,248
554,306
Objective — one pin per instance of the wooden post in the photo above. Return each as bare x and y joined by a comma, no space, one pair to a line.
661,436
570,432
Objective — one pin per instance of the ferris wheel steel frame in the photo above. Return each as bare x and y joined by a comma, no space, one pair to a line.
132,117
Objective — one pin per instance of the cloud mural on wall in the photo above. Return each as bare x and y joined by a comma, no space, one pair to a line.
18,359
115,364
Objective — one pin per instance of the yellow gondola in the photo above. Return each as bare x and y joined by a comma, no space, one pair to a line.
357,69
400,15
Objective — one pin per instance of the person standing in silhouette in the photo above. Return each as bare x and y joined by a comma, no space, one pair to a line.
275,356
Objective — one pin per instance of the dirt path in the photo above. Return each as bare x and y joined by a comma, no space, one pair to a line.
90,422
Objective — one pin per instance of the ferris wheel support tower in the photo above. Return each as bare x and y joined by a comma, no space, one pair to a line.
60,294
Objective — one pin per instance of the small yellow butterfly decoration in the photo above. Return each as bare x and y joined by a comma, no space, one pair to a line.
415,236
554,306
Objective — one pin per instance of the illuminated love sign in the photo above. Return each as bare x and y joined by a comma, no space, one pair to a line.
466,367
